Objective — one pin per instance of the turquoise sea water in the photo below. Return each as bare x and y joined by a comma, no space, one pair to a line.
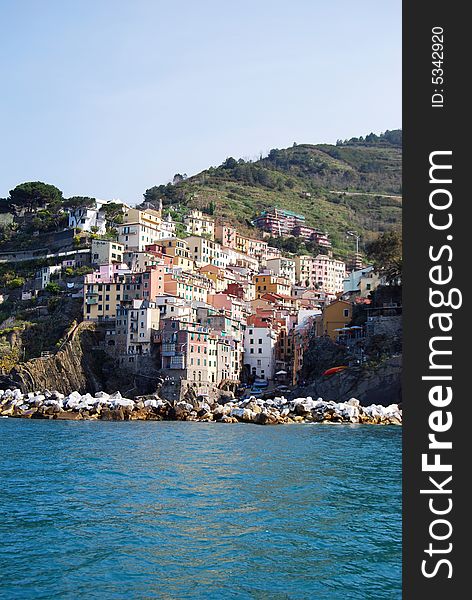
142,510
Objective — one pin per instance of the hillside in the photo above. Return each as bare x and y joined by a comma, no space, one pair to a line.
355,184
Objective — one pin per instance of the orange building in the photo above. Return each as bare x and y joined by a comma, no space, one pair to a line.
266,283
336,315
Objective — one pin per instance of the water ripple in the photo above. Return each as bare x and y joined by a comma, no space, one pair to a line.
191,510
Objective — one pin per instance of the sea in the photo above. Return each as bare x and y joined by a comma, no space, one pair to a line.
177,510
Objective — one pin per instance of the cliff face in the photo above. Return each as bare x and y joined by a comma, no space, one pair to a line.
81,365
379,385
74,367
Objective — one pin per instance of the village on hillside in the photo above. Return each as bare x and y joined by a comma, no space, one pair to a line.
203,304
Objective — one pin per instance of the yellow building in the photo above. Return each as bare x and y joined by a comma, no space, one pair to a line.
140,228
217,276
336,315
252,247
101,298
192,288
179,250
199,224
271,284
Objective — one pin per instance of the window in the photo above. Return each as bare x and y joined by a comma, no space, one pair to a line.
251,351
346,312
260,340
260,350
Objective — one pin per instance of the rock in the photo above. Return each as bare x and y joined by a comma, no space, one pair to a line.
182,410
152,403
7,410
123,403
228,419
237,412
68,416
27,414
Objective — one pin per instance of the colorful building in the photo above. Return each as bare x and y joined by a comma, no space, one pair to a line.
266,282
335,316
105,252
278,222
199,224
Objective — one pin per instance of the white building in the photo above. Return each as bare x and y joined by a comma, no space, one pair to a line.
105,252
206,252
362,281
175,307
284,267
134,327
168,227
259,349
239,259
140,228
43,276
272,252
85,219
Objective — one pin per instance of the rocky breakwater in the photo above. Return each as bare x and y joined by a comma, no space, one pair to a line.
113,407
76,406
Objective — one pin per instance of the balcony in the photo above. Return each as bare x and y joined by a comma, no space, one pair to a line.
168,350
90,301
177,362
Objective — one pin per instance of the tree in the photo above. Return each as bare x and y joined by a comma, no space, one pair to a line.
210,209
385,253
33,195
230,163
113,212
5,205
76,202
53,288
170,194
312,247
178,178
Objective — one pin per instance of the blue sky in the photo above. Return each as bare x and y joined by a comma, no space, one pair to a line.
106,98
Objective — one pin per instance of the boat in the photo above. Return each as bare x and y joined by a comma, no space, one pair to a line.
334,370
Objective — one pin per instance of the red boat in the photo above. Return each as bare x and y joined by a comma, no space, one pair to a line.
334,370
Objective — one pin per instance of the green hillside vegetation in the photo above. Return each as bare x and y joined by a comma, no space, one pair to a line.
355,184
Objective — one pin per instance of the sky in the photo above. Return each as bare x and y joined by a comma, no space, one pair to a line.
106,98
